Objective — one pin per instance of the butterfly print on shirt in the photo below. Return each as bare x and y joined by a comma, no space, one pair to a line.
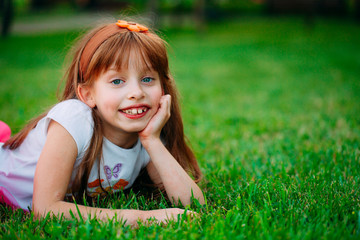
112,172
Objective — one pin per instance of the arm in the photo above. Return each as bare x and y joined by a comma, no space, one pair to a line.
163,167
52,176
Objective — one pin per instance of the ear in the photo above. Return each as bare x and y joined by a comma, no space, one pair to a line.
86,96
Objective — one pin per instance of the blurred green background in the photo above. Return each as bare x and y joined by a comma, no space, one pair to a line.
271,41
172,12
270,100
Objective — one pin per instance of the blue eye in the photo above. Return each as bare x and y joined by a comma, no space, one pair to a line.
147,79
117,81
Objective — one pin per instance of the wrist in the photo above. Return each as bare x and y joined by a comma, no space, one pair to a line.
151,142
131,216
144,216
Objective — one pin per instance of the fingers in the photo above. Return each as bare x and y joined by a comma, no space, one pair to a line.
173,213
163,113
165,104
192,213
158,120
164,216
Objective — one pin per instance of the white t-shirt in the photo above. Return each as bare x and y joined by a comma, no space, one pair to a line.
119,168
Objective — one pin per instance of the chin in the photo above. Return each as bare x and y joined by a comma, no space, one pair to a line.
135,129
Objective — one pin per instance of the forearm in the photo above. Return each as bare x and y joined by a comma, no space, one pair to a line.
68,210
177,183
129,216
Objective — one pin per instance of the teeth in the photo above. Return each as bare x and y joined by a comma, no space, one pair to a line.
135,111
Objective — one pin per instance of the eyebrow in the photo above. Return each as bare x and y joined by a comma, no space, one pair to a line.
142,70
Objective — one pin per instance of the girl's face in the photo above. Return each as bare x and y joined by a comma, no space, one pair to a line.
126,99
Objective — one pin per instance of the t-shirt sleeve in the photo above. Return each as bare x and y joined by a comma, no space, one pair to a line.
76,117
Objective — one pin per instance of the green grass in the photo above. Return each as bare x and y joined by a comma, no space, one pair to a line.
272,111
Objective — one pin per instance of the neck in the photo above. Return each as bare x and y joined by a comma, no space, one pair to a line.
125,140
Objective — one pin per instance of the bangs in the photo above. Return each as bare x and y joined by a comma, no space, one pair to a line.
149,51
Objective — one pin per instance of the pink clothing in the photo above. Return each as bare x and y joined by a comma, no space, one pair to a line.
5,132
7,198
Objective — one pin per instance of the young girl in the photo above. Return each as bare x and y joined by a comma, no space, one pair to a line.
118,114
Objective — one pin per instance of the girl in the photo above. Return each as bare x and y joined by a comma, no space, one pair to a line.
118,113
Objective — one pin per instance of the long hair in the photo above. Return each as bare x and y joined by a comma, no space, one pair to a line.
115,51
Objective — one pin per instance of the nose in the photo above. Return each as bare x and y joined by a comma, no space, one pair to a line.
135,91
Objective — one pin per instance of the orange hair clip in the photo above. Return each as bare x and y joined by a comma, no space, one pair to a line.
134,27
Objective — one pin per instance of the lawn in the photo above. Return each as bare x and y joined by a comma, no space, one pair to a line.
271,108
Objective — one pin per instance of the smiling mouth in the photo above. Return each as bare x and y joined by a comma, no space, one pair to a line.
135,111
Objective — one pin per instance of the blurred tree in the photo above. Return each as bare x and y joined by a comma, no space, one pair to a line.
38,4
7,14
323,7
332,7
305,7
294,6
357,9
179,13
101,4
84,4
81,4
199,14
152,9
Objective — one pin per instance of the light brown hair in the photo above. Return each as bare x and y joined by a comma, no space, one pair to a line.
115,50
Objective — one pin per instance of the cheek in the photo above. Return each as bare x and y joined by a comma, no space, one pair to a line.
156,98
108,101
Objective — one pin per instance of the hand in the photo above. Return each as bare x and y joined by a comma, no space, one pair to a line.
157,122
165,215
